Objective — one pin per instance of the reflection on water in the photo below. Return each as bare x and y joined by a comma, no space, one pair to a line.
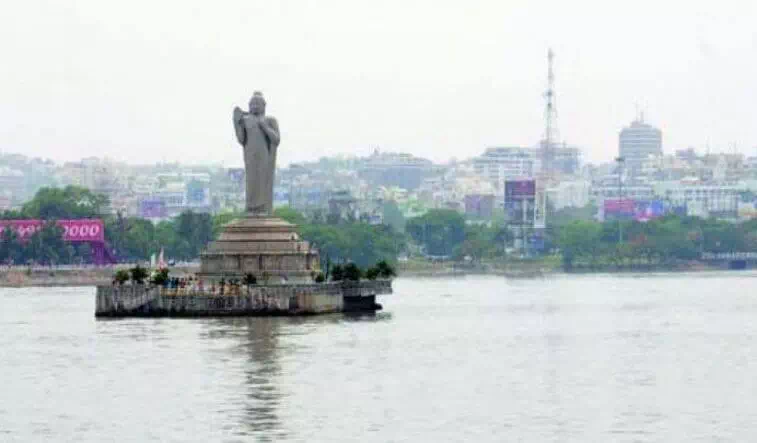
569,358
260,346
258,340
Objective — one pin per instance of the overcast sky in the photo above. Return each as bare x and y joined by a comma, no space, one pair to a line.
145,80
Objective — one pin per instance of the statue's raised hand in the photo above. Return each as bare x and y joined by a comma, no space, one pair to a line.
239,125
238,114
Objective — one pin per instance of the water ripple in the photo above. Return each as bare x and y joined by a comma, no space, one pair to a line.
571,358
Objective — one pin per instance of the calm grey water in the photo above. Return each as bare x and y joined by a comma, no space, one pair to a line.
570,358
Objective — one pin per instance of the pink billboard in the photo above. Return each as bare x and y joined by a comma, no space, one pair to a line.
89,230
639,210
619,207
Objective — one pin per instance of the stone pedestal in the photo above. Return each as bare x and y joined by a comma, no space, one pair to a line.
263,246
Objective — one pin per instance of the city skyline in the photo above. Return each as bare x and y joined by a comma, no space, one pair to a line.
144,83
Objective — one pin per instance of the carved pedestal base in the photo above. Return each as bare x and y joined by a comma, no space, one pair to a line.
266,247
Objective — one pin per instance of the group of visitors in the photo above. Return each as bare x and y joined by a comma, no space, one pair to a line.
185,285
189,285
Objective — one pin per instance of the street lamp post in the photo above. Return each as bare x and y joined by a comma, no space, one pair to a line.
621,162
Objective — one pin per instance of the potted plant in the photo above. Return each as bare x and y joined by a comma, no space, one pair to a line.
138,274
121,276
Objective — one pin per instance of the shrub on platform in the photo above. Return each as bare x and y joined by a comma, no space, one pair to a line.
121,276
249,279
337,273
372,273
138,274
352,272
385,270
159,277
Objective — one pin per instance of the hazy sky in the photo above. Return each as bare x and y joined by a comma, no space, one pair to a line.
156,80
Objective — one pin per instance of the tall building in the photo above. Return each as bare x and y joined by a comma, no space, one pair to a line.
498,164
501,163
566,159
395,169
702,199
637,143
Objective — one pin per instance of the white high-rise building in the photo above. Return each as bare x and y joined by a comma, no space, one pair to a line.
505,163
637,143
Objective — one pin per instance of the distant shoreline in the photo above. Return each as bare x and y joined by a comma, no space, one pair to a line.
20,277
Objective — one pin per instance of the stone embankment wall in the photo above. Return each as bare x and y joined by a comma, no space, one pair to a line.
25,276
293,299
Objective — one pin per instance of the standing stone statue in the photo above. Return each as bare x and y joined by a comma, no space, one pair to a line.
259,136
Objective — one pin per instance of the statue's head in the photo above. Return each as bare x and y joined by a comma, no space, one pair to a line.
257,104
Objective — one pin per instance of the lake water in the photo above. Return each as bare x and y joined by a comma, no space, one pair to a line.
566,358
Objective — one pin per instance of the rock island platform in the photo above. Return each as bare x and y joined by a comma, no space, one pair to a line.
254,300
265,247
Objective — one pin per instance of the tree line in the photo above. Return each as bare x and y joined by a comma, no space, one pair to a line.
129,238
133,239
663,242
46,246
571,234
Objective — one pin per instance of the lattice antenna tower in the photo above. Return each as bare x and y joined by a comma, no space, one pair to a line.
551,135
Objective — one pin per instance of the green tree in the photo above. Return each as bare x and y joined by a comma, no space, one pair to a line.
439,231
11,248
317,217
360,243
352,272
83,253
564,216
721,236
193,232
579,240
11,215
671,240
385,270
121,276
46,246
133,238
393,216
70,202
291,215
138,274
337,273
167,238
480,243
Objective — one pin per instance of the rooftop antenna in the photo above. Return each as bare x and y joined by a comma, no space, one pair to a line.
639,112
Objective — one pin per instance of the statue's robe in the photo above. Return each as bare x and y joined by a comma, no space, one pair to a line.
259,161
